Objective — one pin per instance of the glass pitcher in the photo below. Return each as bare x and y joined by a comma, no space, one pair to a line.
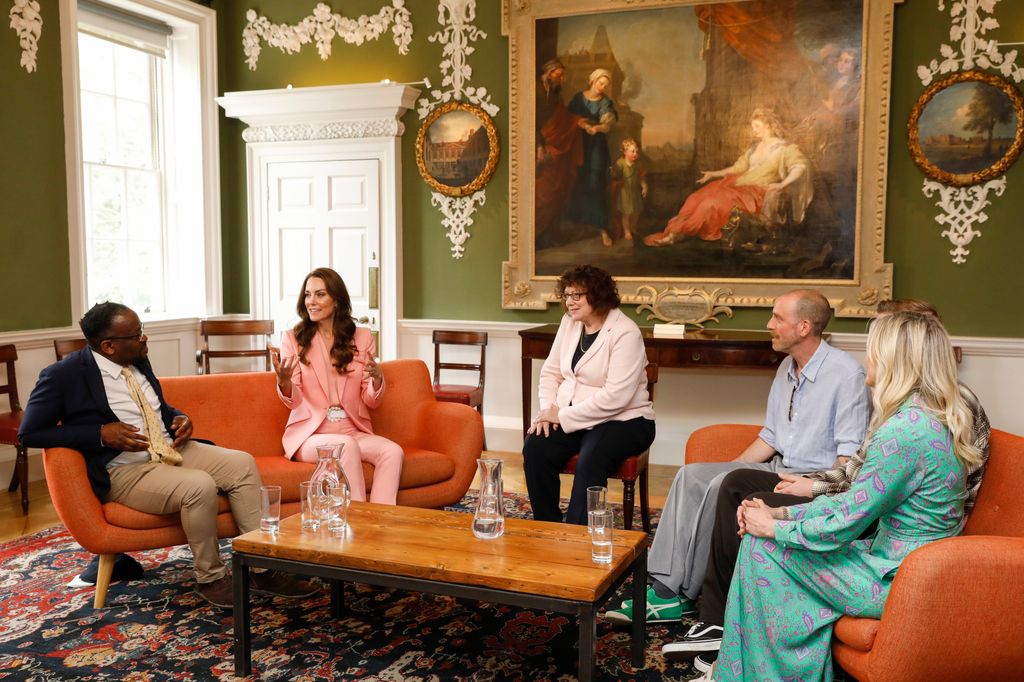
489,519
331,485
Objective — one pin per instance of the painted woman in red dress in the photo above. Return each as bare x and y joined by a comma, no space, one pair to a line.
753,185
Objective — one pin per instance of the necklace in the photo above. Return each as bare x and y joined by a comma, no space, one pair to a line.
590,338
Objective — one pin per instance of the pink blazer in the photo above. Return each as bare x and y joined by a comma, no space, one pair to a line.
609,382
310,397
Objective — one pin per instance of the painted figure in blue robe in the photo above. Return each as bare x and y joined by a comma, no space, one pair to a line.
802,567
589,201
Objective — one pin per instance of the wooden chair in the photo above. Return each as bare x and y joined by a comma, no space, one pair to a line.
62,347
460,393
208,328
630,470
9,423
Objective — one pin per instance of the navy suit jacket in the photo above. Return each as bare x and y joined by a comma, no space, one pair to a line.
69,405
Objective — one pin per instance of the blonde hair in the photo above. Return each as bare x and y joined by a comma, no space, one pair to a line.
768,116
912,354
629,142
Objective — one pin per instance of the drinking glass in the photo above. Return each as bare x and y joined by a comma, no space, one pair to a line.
312,508
338,498
597,500
270,508
600,523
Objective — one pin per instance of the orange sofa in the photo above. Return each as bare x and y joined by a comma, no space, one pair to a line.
954,609
442,442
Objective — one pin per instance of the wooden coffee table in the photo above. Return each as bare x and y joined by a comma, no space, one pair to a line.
536,565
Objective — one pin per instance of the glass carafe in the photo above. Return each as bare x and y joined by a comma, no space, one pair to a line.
489,519
329,477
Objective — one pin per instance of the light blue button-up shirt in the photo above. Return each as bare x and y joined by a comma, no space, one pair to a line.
820,415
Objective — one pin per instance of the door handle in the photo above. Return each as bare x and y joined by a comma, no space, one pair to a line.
374,297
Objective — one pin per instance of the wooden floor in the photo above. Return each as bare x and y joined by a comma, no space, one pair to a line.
41,514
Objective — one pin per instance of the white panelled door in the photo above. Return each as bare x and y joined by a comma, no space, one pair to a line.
324,214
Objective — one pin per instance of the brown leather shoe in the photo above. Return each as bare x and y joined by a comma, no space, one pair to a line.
219,593
282,584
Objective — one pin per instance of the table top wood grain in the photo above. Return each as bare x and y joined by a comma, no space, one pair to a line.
532,557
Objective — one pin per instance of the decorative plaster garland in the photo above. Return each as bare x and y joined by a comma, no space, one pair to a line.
27,23
456,17
323,25
963,207
458,216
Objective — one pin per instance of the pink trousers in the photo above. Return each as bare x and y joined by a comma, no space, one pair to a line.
358,447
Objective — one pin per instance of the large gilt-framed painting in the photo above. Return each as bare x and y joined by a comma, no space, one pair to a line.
706,154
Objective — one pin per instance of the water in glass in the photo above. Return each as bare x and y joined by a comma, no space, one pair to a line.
489,518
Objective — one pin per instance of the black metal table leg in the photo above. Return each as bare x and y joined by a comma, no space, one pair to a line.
337,597
588,641
639,609
243,639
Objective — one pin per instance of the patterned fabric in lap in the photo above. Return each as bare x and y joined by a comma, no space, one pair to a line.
788,591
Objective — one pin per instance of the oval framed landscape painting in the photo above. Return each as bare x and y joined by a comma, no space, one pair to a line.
967,128
457,149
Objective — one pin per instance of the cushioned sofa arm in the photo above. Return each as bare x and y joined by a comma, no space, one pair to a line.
962,580
452,428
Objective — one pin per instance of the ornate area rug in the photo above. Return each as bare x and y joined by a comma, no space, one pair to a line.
159,629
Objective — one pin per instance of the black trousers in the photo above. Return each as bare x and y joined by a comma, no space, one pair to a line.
725,543
601,449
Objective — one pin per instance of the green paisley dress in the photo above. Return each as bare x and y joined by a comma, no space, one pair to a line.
788,592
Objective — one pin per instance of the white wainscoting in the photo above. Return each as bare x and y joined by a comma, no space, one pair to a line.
686,399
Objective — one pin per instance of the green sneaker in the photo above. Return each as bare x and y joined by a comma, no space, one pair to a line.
659,610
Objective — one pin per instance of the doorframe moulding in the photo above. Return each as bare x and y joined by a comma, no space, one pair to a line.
360,121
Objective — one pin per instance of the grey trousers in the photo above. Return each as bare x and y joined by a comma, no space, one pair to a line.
191,489
679,554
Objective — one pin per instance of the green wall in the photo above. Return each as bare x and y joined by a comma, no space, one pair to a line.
33,195
977,298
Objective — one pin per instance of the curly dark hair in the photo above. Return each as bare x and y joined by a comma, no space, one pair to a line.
96,323
602,292
344,326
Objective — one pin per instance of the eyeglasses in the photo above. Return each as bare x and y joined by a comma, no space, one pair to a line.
791,396
133,337
574,295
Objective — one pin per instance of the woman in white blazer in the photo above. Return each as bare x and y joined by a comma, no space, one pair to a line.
593,396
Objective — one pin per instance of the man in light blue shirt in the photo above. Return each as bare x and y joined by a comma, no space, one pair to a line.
818,410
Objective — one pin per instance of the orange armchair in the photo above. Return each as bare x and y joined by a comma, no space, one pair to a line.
442,442
953,612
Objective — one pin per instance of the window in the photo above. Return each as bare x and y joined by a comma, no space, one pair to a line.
149,233
123,173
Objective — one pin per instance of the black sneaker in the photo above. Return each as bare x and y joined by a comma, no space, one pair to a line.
704,661
700,637
125,568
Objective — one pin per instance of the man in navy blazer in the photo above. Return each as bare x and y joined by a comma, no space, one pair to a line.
86,402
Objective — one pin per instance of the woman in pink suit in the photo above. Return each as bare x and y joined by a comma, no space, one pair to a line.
327,376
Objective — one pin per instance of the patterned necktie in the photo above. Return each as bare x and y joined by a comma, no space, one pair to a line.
159,449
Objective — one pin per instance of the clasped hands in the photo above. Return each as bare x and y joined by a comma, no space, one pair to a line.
756,518
545,421
128,438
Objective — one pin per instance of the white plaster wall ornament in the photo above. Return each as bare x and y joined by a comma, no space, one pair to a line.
27,23
963,207
333,130
322,26
456,35
458,216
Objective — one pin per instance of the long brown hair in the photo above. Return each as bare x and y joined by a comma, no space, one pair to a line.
344,327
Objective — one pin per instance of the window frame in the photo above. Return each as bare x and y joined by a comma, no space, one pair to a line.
194,171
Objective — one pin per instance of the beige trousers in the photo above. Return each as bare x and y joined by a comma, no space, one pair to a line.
191,489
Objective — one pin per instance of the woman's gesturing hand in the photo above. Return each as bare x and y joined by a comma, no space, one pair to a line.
284,368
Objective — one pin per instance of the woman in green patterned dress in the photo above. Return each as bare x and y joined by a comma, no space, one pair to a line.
800,568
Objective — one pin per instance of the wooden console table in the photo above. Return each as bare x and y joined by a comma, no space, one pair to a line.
706,348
